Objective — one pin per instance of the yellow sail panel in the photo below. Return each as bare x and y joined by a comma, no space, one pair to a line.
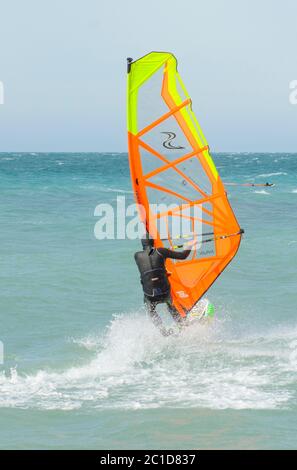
175,179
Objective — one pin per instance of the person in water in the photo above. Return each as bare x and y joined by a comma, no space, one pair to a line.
154,279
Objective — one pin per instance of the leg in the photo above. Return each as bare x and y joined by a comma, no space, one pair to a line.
174,313
151,309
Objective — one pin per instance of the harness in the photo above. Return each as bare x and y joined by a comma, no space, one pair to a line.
154,280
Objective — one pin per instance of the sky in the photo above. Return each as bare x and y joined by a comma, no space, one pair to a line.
63,70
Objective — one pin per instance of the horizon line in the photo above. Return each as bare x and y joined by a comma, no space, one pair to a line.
126,152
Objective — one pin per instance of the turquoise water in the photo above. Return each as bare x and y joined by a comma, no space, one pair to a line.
84,368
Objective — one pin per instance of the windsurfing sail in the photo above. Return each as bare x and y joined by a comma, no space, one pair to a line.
175,181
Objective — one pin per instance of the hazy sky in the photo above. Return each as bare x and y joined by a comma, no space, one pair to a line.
63,66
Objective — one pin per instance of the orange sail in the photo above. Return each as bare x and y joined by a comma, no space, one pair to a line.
176,184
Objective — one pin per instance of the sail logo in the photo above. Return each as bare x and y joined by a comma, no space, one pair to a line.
182,294
167,143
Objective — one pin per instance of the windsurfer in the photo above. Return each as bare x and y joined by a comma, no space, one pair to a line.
154,279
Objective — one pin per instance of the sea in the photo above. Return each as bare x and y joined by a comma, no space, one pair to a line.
82,365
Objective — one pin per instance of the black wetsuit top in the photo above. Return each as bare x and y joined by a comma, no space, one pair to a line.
153,277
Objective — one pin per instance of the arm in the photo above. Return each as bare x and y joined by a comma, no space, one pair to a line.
166,253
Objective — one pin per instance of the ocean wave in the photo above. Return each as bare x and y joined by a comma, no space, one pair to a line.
267,175
116,190
262,191
205,367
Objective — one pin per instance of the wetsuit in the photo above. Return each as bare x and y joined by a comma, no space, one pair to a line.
154,280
